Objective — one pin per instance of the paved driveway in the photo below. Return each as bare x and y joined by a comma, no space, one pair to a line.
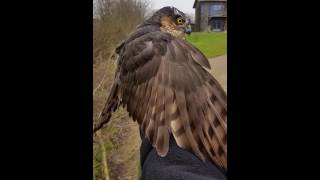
219,69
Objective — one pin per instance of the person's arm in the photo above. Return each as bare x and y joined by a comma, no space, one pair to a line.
178,164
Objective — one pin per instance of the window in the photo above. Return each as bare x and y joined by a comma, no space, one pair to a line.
217,24
216,10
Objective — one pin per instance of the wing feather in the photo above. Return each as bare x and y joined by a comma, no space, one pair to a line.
168,90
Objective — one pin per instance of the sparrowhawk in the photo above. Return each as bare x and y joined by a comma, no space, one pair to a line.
165,85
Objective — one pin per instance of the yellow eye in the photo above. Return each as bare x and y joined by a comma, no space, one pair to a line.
180,21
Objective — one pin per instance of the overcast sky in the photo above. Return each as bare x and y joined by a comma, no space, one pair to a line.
185,6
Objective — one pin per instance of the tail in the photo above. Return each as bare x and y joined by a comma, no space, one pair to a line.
111,105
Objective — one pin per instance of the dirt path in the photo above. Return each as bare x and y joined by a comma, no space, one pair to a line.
219,69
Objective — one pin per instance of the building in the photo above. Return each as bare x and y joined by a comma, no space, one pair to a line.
210,15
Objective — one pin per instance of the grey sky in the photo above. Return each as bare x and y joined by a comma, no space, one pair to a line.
185,6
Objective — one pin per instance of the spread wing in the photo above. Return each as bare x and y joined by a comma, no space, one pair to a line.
167,89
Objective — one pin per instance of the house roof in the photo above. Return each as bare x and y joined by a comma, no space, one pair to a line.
196,1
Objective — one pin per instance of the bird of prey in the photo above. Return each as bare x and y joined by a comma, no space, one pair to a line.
165,85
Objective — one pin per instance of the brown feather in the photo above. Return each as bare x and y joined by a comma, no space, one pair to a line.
166,88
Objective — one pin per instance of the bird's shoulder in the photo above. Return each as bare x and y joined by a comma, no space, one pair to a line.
146,41
146,33
149,43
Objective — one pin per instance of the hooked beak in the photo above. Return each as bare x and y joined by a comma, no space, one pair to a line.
183,27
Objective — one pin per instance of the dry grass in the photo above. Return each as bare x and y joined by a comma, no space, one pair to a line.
120,139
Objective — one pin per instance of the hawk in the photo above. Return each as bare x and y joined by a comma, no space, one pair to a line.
165,85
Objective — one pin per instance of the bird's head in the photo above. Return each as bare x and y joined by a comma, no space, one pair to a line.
170,20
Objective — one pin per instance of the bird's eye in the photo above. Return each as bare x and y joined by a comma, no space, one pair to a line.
180,21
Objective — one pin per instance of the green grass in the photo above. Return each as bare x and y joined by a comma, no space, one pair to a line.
211,44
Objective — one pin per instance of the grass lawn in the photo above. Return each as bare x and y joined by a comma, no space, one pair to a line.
212,44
